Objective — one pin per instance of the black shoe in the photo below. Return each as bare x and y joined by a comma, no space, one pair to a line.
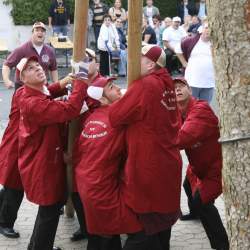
9,232
78,235
54,248
61,212
189,217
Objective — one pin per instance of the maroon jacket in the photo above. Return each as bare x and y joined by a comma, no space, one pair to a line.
40,143
101,155
199,136
148,112
9,173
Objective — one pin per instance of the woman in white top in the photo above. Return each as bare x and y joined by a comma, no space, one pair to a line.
108,42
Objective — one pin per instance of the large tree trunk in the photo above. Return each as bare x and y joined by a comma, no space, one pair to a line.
229,21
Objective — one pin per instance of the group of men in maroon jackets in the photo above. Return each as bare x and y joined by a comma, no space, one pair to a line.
126,156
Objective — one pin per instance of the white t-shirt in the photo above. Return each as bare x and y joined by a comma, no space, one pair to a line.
38,48
173,36
200,71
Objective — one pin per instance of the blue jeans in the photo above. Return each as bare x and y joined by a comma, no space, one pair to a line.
203,93
122,65
60,29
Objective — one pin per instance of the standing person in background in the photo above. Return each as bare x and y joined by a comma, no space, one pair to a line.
201,9
158,29
195,54
172,37
59,17
118,12
148,33
199,136
108,41
99,9
35,46
149,11
185,8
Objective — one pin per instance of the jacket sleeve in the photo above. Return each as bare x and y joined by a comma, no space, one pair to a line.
55,90
44,111
129,108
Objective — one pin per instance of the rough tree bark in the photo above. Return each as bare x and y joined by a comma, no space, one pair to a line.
229,21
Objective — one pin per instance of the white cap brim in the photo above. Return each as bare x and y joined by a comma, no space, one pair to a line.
95,92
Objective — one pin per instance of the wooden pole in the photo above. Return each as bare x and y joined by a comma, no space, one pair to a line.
79,46
134,39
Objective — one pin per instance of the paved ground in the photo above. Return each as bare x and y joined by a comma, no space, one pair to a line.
185,235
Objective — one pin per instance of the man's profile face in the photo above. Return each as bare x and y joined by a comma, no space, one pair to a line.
182,91
147,66
112,92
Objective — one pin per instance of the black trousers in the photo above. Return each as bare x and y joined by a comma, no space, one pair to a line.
77,203
10,201
96,242
210,218
141,241
45,227
104,63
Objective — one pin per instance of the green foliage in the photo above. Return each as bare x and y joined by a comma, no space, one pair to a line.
26,12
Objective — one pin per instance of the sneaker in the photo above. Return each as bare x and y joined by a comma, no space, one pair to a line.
78,235
9,232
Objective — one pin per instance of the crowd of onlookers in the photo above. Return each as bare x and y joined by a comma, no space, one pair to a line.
109,25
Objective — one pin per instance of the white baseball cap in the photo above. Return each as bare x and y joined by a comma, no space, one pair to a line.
23,63
176,19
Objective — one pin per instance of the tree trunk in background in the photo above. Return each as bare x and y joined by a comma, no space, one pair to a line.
229,21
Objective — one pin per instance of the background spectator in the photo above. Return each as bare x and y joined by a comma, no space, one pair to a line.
148,34
59,17
118,12
172,37
195,54
108,41
185,8
158,29
195,24
34,47
122,64
149,11
201,9
99,10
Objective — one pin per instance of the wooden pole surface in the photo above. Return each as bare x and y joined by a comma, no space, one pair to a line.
79,46
134,39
